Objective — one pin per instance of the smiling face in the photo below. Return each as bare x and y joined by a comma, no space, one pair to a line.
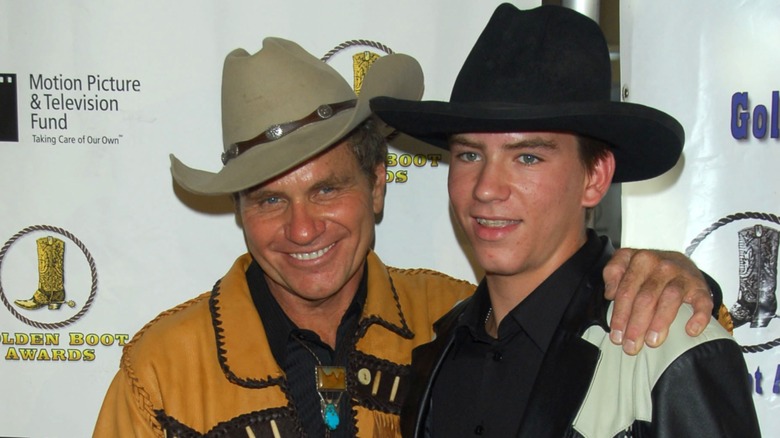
521,199
311,228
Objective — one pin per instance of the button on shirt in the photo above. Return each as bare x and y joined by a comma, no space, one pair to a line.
484,384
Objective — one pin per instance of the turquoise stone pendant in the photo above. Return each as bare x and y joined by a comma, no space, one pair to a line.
330,379
331,416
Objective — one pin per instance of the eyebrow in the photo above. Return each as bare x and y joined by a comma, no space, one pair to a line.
330,180
528,143
334,180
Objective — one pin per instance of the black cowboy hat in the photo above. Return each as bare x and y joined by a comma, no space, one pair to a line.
544,69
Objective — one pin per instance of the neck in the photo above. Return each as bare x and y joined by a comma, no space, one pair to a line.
505,294
322,317
507,291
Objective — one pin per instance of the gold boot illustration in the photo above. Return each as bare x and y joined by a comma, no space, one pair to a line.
51,276
757,299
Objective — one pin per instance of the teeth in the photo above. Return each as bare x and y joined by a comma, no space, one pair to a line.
311,255
495,223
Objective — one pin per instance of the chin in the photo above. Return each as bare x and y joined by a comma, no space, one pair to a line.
501,261
501,272
499,268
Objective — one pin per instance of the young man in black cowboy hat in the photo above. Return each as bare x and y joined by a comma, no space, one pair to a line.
309,334
535,143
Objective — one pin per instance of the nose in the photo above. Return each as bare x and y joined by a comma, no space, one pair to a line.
304,223
491,183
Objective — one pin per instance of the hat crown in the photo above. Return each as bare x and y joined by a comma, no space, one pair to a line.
280,83
284,85
546,55
544,69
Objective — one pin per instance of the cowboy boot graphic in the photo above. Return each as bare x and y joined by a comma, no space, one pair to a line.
51,276
361,62
757,299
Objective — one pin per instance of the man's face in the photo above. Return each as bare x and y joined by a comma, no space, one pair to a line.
311,228
521,199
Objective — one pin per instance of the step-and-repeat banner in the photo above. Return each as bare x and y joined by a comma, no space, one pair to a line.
714,66
94,96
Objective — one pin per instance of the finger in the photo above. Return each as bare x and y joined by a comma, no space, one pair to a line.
669,303
655,282
615,272
657,301
635,277
701,301
642,313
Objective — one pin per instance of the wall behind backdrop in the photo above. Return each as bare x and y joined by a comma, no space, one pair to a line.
94,96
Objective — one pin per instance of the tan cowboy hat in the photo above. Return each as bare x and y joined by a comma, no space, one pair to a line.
282,106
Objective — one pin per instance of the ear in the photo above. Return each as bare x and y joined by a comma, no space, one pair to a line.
380,186
598,180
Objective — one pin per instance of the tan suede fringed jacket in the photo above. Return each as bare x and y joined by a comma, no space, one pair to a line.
204,368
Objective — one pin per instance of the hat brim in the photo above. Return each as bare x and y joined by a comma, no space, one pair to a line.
394,75
645,142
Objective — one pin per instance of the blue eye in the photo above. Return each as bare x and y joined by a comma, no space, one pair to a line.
271,200
469,156
528,159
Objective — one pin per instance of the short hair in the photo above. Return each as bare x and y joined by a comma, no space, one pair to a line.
369,147
591,150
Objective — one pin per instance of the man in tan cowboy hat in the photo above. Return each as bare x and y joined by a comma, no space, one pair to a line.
535,143
309,334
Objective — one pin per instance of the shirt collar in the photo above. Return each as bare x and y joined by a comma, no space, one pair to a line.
272,315
541,312
234,317
383,304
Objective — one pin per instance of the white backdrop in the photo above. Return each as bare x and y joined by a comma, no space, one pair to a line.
691,59
135,244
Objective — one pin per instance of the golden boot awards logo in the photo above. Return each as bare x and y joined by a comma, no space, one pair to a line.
51,273
754,296
749,285
50,294
66,278
398,164
361,59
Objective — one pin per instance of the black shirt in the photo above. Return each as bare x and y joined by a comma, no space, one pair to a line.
484,383
298,362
